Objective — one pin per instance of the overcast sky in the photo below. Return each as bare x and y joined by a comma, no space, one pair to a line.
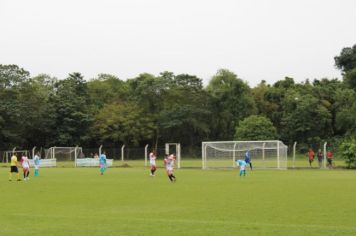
256,39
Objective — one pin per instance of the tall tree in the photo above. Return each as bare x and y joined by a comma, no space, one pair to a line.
123,122
346,62
71,109
105,89
255,128
185,114
232,101
35,112
11,78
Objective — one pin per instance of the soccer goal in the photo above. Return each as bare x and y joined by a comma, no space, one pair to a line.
8,154
176,146
269,154
64,154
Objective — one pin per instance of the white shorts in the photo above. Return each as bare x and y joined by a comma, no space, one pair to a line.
37,167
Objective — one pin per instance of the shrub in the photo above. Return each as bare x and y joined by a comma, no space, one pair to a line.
348,152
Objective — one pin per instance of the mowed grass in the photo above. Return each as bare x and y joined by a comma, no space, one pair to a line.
127,201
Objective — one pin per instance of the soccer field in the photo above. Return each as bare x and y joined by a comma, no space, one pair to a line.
127,201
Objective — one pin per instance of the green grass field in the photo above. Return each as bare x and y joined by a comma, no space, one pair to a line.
127,201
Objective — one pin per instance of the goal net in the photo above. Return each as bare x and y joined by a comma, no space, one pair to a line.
264,154
64,154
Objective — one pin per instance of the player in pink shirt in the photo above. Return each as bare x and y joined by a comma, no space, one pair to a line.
169,163
25,166
153,167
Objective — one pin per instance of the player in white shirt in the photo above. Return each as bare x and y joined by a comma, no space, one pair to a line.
169,163
153,167
25,166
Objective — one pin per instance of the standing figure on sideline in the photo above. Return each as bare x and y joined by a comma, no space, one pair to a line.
102,162
320,157
36,161
329,156
242,164
248,158
311,156
153,167
25,167
13,168
169,163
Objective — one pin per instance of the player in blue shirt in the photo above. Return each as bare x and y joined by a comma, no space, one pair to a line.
102,162
248,158
36,161
242,165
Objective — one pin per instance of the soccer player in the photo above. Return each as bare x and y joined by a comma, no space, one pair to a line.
36,161
248,158
242,164
320,157
311,155
13,168
25,166
153,167
329,156
169,163
102,162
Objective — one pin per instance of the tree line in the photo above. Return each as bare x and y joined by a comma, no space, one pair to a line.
45,111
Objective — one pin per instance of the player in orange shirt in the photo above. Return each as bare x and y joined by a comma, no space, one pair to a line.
329,156
311,156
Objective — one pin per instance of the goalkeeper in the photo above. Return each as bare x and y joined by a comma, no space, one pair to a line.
248,158
102,162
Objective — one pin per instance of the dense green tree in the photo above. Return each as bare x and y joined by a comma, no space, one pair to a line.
185,113
11,121
346,61
148,91
255,128
35,111
345,120
123,122
44,111
350,78
305,120
106,89
231,100
71,111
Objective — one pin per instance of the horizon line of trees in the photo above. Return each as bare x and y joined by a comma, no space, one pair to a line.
43,111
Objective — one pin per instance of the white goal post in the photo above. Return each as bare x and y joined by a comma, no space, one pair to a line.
63,154
8,154
268,154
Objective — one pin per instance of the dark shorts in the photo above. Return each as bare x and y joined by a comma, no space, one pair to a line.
330,161
13,169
